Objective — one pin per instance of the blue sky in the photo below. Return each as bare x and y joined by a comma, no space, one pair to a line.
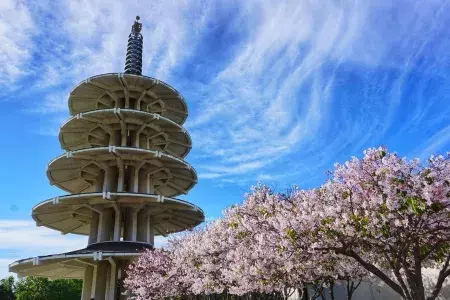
277,90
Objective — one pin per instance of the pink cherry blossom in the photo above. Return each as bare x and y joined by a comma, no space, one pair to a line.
381,217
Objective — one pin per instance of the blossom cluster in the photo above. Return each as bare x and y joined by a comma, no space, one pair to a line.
380,217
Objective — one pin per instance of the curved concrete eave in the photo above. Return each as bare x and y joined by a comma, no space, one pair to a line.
72,213
112,82
72,163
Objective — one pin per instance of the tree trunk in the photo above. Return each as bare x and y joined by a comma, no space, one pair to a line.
304,293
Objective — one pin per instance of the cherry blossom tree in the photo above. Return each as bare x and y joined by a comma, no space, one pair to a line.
380,216
266,221
390,215
241,254
153,276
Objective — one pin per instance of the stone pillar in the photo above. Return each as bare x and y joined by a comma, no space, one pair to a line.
106,227
117,223
128,224
112,286
123,134
121,177
142,226
87,283
111,180
94,228
132,185
101,279
142,181
135,225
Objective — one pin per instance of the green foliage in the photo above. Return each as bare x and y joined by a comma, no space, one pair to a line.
437,207
264,212
441,253
385,230
292,234
327,221
37,288
360,223
7,288
234,225
417,205
242,234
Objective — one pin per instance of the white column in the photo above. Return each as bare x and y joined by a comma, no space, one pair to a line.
112,280
123,133
121,177
117,223
142,181
111,180
94,228
107,284
142,226
128,224
87,283
101,279
94,282
134,234
133,186
106,225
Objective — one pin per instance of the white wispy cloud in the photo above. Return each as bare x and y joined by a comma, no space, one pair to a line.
436,142
16,33
273,95
25,236
301,83
22,239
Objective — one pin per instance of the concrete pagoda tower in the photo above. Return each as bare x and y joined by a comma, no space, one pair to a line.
123,165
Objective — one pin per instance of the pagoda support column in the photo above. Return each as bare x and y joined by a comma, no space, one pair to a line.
111,180
117,223
135,224
112,288
142,181
106,227
101,280
93,234
128,224
142,226
121,177
133,185
87,283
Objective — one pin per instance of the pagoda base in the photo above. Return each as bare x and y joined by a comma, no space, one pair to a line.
101,266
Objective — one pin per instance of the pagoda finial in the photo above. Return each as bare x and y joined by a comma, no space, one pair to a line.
136,28
133,60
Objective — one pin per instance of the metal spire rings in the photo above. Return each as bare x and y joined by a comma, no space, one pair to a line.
133,60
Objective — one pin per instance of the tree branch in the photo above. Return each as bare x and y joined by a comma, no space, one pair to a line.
443,274
374,270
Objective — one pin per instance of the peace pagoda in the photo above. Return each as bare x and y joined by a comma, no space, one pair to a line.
124,164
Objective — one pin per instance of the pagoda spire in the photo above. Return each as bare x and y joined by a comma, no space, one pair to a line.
133,60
